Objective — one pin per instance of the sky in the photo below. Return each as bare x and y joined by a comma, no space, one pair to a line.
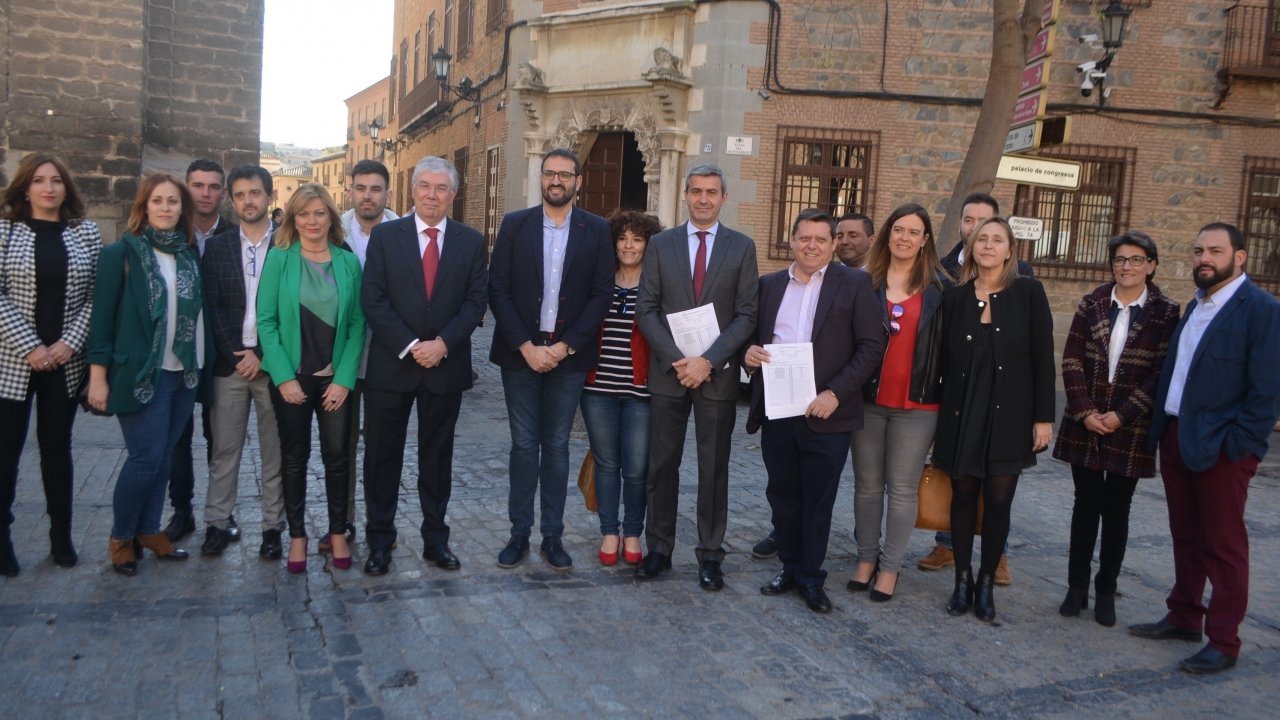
315,54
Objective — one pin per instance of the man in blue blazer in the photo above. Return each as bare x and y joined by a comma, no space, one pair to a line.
423,295
1218,401
550,285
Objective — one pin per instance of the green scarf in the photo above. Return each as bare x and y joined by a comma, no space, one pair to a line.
190,296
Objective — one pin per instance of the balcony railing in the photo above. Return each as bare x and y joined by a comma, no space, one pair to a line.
419,104
1252,45
351,132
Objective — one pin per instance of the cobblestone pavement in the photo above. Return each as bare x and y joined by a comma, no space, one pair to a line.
238,637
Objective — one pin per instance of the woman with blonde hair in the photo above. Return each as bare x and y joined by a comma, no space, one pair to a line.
312,329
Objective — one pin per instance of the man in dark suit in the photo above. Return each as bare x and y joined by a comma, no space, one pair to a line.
835,308
1214,412
423,295
231,265
550,285
698,263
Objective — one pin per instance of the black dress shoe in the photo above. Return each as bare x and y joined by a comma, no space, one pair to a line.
513,554
1076,600
883,597
215,541
233,530
1208,660
782,584
271,549
442,557
962,597
984,598
379,562
653,565
766,548
855,586
182,524
709,577
816,598
553,551
1165,630
1104,609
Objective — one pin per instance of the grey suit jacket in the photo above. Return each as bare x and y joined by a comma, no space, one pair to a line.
666,286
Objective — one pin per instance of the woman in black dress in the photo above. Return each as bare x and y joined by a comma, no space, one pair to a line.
997,401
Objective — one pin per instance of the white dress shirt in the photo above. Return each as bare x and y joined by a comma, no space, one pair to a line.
422,250
202,236
1202,314
555,241
249,330
693,244
359,241
794,323
1120,329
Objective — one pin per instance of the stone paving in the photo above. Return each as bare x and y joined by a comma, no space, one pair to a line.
237,637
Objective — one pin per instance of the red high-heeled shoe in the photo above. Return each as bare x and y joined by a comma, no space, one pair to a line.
630,557
610,558
340,563
301,565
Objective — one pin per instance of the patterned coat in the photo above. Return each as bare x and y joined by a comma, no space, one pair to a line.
18,302
1085,366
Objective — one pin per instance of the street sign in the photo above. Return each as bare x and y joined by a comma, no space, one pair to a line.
1038,134
1035,77
1029,108
1025,228
1022,138
1042,46
1051,9
1038,171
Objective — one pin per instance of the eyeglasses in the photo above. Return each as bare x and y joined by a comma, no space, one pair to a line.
1136,261
895,312
564,175
253,261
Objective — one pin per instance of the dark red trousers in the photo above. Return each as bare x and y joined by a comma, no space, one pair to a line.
1206,518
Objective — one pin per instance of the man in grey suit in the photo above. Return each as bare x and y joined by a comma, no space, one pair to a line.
701,262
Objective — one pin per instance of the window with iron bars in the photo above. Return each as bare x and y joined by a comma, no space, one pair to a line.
497,18
832,170
1260,221
1079,223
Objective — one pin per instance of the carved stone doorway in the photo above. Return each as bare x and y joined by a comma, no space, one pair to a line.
613,175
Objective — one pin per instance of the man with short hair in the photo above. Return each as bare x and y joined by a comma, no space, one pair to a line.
692,265
1217,403
277,216
550,286
232,266
206,182
423,296
854,234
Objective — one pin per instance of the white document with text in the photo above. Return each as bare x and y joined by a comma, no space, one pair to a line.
694,330
788,380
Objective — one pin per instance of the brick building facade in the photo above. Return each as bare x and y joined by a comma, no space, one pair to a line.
123,87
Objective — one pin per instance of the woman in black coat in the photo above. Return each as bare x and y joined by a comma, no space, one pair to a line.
997,401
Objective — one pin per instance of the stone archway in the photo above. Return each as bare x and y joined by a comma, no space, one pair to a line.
583,118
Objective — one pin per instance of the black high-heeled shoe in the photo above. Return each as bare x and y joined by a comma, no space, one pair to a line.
1104,608
984,598
883,597
855,586
1077,599
962,596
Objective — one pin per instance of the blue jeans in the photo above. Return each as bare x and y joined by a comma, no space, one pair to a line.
150,436
618,428
944,539
540,411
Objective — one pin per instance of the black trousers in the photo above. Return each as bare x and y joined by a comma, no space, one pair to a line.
182,475
1106,497
55,414
668,422
294,422
386,426
804,469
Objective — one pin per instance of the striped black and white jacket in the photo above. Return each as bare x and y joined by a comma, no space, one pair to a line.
18,302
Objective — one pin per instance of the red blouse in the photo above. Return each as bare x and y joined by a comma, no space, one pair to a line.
895,374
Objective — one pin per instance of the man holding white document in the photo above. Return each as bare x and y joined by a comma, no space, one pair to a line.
818,341
697,308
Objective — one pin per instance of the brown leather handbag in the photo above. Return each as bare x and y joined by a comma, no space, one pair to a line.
933,510
587,481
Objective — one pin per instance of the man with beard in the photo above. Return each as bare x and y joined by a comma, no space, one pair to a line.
232,265
550,286
1214,412
854,232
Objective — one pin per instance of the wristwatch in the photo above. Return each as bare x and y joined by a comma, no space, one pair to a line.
568,350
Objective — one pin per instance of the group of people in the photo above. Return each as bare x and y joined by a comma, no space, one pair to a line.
918,359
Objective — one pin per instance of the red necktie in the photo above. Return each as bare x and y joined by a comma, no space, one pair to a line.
431,260
700,264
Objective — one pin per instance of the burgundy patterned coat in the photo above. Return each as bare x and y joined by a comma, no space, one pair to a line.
1085,367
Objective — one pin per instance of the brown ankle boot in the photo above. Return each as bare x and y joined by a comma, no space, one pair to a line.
122,560
162,546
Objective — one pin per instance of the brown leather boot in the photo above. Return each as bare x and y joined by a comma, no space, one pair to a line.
940,557
1002,572
122,560
162,546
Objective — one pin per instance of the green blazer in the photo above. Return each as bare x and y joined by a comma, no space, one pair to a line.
280,323
120,328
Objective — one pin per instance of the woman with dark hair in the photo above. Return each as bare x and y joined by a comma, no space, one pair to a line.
311,330
997,401
615,400
901,399
48,253
146,353
1111,370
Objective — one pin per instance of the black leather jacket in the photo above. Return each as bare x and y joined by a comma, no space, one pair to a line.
926,363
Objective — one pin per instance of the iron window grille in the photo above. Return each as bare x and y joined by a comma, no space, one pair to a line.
832,170
1260,220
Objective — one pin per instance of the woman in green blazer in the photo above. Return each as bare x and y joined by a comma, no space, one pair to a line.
311,329
146,353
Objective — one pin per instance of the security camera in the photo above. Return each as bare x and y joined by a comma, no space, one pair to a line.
1086,87
1087,39
1087,67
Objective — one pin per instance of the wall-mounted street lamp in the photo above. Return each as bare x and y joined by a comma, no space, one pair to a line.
440,61
1114,19
385,144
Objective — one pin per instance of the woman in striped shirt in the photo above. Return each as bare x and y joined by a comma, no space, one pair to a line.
615,401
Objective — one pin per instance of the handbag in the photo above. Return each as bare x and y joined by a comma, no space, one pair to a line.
933,508
587,481
82,397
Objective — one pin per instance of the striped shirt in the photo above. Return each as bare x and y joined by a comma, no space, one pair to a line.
615,376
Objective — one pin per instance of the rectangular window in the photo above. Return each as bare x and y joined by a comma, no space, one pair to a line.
832,170
466,14
431,42
460,200
492,193
404,68
497,16
1260,221
417,55
448,24
1079,223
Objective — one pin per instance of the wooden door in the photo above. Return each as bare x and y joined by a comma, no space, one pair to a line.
601,190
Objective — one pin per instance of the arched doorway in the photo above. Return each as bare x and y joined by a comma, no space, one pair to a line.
613,175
